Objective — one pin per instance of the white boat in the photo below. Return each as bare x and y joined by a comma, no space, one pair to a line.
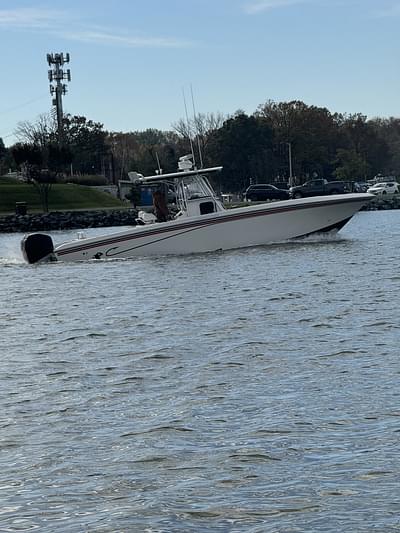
202,224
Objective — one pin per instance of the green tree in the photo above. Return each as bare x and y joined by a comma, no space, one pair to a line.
350,165
243,146
29,157
312,131
360,136
86,141
59,158
4,157
388,130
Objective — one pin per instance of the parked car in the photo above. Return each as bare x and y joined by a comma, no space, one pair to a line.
262,192
319,187
384,187
360,186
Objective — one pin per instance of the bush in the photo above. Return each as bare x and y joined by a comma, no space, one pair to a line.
87,179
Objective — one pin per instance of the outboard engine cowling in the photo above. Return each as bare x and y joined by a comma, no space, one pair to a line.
37,247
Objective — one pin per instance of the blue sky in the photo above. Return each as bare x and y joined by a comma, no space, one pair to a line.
132,59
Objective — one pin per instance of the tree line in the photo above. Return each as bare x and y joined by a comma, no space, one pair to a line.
251,148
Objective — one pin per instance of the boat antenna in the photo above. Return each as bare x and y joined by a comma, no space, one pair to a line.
189,128
158,164
197,128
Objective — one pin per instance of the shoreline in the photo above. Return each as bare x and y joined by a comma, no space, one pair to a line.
66,220
380,203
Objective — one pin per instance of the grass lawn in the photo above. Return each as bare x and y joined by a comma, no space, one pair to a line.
62,197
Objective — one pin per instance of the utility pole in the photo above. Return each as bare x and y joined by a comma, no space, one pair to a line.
57,88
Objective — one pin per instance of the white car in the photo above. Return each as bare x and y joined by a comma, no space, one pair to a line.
384,187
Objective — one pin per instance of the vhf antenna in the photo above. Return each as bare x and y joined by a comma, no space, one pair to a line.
189,129
196,124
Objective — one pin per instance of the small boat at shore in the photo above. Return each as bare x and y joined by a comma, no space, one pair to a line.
201,223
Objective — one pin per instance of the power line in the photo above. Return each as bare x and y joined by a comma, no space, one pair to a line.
24,104
5,136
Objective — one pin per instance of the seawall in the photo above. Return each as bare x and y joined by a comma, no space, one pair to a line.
65,220
381,203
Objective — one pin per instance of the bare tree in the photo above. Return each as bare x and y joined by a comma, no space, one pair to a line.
39,133
199,128
202,124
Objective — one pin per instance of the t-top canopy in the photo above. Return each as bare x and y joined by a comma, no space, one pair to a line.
174,175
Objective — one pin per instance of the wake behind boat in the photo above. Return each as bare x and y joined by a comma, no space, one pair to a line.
202,224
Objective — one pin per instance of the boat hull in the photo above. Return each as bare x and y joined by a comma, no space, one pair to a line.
235,228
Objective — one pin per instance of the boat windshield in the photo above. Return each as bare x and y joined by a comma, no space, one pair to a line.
197,187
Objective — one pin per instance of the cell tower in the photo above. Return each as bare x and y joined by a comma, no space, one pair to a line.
57,88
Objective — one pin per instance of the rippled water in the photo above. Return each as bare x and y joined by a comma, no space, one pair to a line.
252,390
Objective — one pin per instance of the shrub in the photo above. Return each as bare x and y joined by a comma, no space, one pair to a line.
87,179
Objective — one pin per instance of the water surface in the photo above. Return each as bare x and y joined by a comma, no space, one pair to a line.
253,390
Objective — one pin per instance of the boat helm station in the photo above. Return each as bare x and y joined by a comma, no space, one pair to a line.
193,192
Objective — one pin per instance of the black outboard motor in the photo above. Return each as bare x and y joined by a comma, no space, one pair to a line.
37,247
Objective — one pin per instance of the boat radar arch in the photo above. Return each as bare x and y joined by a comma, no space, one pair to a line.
135,177
185,162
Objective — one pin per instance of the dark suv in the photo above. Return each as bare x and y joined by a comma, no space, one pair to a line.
262,192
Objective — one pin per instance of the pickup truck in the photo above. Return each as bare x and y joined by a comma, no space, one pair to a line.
318,187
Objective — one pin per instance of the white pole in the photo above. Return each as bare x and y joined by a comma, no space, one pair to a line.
198,133
189,128
290,165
